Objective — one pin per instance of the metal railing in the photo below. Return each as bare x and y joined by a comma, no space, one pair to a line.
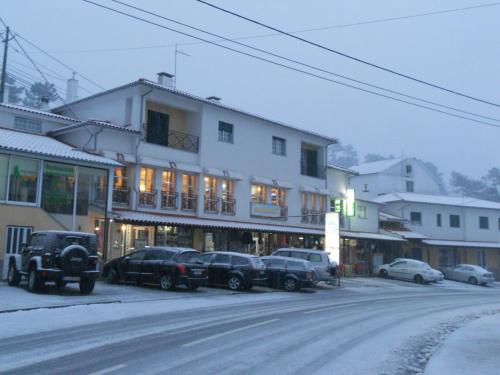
314,216
312,170
322,217
168,201
305,215
189,202
121,197
211,204
147,199
183,141
229,206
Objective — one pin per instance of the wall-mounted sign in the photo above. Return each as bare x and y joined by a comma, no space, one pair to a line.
332,236
350,203
265,210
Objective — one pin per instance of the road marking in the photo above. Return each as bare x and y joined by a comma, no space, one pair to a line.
229,332
109,369
329,308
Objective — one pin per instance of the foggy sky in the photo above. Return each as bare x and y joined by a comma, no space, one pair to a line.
458,50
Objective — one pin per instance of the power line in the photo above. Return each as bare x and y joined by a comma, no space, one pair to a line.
303,64
337,26
292,68
357,59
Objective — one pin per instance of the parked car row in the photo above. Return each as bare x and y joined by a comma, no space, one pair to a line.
421,272
170,267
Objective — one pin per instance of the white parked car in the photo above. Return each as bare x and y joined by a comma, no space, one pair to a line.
469,273
410,269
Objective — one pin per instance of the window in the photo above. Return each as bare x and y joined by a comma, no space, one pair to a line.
279,146
189,257
401,263
58,190
409,169
4,168
15,237
259,193
277,263
168,182
120,180
409,186
454,221
282,253
362,212
221,258
239,261
315,258
157,128
137,255
210,196
447,257
189,184
278,196
322,203
438,220
23,180
147,180
416,218
227,189
28,124
298,266
225,132
484,222
299,255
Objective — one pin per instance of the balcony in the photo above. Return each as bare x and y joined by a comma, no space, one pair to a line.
283,213
121,197
189,202
183,141
314,216
147,199
312,170
168,201
211,205
322,217
228,207
100,194
305,215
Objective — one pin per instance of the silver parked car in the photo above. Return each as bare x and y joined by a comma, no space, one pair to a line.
469,273
410,269
318,258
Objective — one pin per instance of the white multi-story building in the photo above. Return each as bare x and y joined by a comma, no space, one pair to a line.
394,175
199,173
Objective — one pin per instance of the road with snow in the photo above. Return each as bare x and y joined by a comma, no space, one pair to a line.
366,327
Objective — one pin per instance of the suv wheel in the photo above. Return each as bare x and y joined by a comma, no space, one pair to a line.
383,273
234,283
35,282
167,282
13,276
419,279
472,280
86,285
290,284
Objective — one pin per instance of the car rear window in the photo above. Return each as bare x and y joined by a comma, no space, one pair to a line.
316,258
299,255
189,257
65,241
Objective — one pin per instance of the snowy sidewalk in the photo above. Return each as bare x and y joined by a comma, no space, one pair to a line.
472,349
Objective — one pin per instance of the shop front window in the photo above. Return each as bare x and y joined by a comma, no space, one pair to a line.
121,186
168,194
58,191
147,194
4,167
259,193
174,236
23,179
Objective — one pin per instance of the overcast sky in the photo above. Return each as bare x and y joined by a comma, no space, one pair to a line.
458,50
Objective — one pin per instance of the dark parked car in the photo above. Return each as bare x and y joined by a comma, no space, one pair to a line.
287,273
58,256
164,266
237,271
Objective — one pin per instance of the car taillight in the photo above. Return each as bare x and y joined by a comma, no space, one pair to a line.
181,268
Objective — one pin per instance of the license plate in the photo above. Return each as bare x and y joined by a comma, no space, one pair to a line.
197,272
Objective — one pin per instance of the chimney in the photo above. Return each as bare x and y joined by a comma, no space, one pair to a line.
166,80
215,99
44,104
72,89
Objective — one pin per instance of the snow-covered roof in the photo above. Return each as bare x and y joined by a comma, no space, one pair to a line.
409,235
155,85
437,199
101,124
42,145
376,166
37,112
492,245
142,217
343,169
387,217
370,236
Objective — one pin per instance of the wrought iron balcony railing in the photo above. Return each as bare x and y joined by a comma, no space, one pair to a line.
168,200
147,199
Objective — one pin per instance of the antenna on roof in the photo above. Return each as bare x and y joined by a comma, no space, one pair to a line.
177,52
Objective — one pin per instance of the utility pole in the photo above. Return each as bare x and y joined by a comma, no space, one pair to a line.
4,65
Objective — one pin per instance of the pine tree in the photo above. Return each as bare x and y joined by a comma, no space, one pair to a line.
37,92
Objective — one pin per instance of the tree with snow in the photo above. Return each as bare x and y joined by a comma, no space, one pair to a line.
39,91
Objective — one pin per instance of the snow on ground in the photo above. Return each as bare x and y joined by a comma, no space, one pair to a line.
473,349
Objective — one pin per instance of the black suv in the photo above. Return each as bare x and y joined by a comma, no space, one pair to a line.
164,266
290,274
58,256
235,270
